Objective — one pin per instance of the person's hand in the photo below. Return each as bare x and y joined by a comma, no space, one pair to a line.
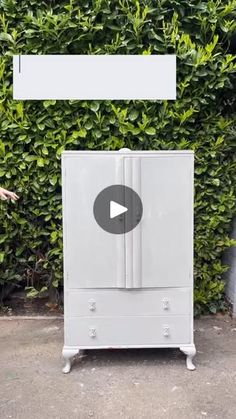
5,194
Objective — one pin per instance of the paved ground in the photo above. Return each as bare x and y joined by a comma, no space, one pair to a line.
130,384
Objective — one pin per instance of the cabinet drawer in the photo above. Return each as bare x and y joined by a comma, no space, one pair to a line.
129,302
127,331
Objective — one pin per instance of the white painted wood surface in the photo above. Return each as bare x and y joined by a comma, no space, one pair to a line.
119,293
127,330
138,302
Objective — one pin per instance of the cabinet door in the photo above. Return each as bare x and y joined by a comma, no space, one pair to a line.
93,258
166,189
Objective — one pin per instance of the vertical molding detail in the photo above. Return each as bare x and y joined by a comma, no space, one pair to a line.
129,235
137,254
120,238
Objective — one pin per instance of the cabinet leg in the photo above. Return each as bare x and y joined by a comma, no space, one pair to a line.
190,352
68,355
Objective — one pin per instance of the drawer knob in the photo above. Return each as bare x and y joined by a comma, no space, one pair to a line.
166,330
92,304
92,332
166,303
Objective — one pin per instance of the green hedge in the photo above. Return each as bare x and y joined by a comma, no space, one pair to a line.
34,133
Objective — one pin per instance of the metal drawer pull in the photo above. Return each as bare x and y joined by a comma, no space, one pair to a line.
166,330
166,303
92,332
92,304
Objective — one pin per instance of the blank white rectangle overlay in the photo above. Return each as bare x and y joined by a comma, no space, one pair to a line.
91,77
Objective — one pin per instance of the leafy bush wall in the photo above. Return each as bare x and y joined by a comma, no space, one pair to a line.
34,133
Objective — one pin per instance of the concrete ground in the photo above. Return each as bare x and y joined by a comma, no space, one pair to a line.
150,383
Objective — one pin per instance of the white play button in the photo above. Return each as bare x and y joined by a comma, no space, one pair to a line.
116,209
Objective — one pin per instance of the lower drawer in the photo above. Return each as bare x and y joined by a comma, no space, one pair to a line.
130,331
155,302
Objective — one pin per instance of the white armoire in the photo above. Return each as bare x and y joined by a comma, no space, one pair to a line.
129,289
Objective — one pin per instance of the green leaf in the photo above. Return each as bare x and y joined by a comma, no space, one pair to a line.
2,149
45,151
220,140
94,106
150,131
32,292
6,37
55,283
30,158
40,162
216,182
53,180
133,115
47,103
82,133
54,236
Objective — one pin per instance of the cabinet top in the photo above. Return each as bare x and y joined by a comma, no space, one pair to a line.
127,152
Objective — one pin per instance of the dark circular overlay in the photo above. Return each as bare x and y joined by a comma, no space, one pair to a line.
121,195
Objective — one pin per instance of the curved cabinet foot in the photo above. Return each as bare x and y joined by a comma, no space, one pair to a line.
190,352
68,355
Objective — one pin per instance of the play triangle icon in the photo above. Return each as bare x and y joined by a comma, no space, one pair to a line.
116,209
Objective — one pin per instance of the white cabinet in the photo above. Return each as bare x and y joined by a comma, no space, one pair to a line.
132,289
